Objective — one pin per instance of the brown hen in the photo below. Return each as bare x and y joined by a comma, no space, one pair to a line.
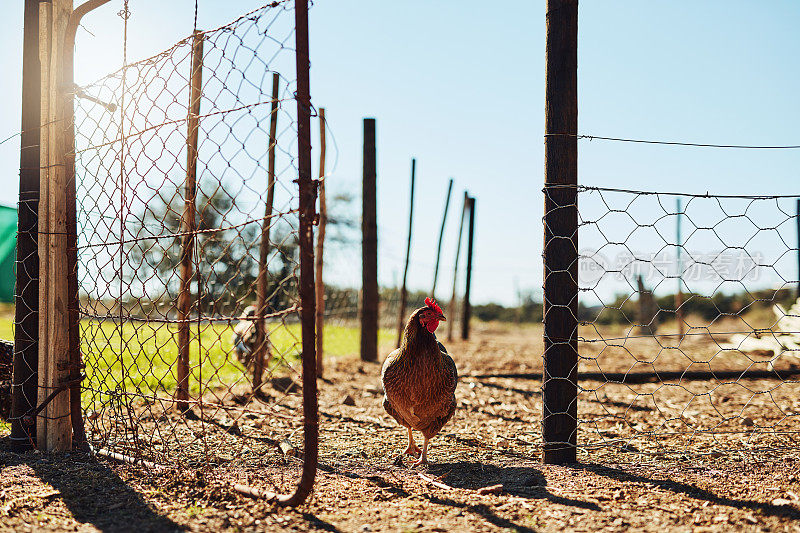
419,379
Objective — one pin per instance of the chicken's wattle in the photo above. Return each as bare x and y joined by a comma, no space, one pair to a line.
431,325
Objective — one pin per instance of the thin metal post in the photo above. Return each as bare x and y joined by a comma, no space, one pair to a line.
466,314
262,350
401,319
451,308
26,311
307,212
679,264
441,235
369,248
308,199
189,223
318,258
559,383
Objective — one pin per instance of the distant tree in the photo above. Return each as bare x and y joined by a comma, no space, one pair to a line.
226,253
343,225
529,310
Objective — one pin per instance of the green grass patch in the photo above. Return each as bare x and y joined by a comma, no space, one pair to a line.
141,357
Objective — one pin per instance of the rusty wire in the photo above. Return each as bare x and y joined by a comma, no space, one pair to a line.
131,168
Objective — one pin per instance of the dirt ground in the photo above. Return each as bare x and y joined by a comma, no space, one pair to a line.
648,462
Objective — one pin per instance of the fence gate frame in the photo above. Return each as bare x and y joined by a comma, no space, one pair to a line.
55,417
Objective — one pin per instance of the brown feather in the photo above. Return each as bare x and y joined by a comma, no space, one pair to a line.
419,380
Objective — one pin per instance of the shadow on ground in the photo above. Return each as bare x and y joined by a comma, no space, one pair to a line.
693,491
92,492
523,481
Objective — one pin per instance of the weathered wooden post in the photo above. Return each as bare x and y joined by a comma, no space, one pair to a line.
53,430
189,223
466,313
318,257
647,309
26,311
559,382
441,235
58,375
403,291
451,308
262,343
369,248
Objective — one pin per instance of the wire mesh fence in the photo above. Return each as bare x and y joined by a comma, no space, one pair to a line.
192,327
687,323
190,250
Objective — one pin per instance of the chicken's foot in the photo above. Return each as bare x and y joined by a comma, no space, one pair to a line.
412,448
423,460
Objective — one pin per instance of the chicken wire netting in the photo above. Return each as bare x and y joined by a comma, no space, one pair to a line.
188,259
688,323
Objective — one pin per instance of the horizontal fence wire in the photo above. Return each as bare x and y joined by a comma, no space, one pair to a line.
188,255
676,143
688,322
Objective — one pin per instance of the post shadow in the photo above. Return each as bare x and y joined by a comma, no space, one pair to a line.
92,492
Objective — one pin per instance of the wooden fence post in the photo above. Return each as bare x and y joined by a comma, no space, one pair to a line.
451,308
318,257
188,224
54,431
369,248
466,314
58,362
26,311
401,319
559,382
262,343
441,235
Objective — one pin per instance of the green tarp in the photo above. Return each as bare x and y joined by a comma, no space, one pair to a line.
8,248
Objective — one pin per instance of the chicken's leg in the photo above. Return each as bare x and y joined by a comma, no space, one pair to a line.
412,448
423,460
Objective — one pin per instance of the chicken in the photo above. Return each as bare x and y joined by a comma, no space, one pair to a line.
419,379
244,336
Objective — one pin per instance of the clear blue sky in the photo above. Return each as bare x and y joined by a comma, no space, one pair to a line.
460,86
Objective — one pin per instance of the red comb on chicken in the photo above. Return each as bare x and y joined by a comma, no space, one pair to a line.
420,379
